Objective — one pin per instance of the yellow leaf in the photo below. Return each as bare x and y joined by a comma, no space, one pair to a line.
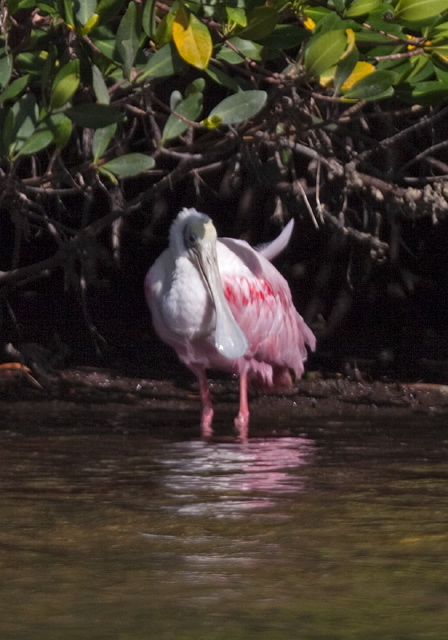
361,70
192,39
410,46
90,24
327,77
351,42
441,57
309,24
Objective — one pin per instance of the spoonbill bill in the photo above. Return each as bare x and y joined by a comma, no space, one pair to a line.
220,304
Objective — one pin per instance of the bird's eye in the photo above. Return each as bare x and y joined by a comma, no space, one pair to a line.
190,238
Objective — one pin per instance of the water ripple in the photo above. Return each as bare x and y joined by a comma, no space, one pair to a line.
231,479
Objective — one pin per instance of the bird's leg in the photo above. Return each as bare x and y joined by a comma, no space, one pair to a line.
242,419
206,404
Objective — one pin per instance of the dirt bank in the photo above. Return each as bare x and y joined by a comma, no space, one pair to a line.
167,406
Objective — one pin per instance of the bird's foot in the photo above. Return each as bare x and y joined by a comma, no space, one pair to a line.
241,423
206,423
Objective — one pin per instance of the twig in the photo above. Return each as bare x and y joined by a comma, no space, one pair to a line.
400,56
297,187
299,148
31,272
392,140
378,246
424,154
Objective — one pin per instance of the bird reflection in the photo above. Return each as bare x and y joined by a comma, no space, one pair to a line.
225,480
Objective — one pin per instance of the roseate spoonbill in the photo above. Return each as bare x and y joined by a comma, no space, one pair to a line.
222,305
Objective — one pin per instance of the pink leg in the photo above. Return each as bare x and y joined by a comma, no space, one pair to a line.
242,419
206,403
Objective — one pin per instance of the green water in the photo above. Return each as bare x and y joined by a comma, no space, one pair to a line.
339,533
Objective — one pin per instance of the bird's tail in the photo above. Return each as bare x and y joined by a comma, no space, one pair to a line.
272,249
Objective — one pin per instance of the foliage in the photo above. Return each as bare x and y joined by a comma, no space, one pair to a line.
104,91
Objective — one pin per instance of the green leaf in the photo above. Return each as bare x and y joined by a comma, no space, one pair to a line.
197,86
323,51
421,69
192,38
175,98
5,66
107,48
238,108
236,16
99,86
16,5
64,91
61,127
6,130
94,116
164,62
222,78
84,10
23,122
132,164
48,62
108,174
247,48
400,67
164,31
361,7
317,14
65,84
68,13
190,108
101,140
441,69
260,23
226,54
441,54
339,5
149,18
440,31
376,85
419,10
424,93
53,11
331,22
382,28
285,36
128,38
345,68
14,89
36,142
108,9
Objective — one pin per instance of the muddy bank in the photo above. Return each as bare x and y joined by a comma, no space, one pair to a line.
170,408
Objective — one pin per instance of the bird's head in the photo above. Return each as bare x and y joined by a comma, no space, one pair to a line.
198,231
188,230
195,233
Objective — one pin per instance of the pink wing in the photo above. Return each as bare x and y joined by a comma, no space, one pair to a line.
263,307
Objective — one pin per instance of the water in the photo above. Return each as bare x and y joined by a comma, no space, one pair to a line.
106,532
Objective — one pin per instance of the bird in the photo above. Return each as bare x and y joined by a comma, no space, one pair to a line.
221,304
